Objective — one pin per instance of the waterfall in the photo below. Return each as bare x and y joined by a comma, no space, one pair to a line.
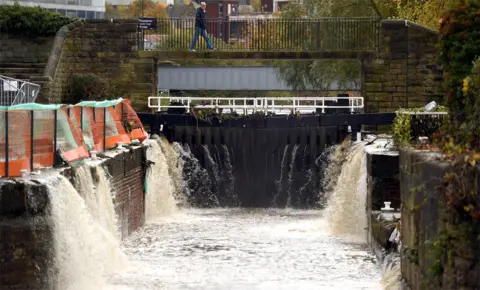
213,166
279,182
85,248
391,272
159,200
175,170
229,177
197,182
345,211
290,175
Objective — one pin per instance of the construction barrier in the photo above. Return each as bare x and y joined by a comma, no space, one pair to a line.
34,136
102,124
32,133
130,121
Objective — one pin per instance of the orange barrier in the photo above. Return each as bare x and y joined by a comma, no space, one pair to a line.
94,130
32,133
130,121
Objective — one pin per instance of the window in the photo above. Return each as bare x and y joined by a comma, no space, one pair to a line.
61,11
72,2
81,14
90,14
100,15
71,13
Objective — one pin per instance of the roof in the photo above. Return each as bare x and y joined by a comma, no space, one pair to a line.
179,10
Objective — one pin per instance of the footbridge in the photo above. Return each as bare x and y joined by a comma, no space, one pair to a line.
265,38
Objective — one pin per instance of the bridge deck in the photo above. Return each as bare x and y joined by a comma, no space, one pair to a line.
266,55
244,37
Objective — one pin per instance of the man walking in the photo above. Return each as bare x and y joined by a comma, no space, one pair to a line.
201,27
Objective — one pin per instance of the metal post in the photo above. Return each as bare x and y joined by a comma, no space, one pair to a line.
104,128
55,138
6,143
81,118
32,124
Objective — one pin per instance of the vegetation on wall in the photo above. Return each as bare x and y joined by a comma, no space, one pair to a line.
92,87
31,21
402,125
453,253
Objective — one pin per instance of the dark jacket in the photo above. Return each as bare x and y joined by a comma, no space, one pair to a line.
200,19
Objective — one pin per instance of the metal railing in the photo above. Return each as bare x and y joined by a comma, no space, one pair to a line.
248,106
15,91
267,34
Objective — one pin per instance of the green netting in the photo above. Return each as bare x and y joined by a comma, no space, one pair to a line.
102,104
32,107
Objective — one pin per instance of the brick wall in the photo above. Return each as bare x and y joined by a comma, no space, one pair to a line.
405,73
128,176
21,49
26,244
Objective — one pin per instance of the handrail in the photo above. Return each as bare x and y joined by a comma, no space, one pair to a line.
249,105
16,91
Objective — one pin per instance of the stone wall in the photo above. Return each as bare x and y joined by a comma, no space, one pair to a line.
26,244
422,217
21,49
103,47
383,184
405,74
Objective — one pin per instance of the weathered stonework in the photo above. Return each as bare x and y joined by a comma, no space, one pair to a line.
22,49
422,219
405,74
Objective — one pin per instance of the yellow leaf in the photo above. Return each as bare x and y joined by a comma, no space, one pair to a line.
473,162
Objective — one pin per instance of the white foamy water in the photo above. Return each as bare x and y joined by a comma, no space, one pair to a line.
345,211
159,199
86,250
245,249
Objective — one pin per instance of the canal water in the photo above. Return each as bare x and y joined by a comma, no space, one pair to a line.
237,248
244,249
181,247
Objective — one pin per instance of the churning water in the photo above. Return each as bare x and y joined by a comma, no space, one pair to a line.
234,248
213,248
86,244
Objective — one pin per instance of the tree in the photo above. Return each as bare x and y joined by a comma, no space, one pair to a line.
428,12
256,5
134,10
322,74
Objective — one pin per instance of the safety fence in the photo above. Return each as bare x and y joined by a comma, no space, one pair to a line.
266,34
34,136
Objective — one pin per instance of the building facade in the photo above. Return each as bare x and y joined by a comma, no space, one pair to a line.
83,9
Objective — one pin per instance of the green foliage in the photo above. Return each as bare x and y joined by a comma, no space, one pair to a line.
31,21
319,75
402,125
424,12
460,30
83,87
92,87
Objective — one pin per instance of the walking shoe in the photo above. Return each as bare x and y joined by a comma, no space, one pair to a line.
213,49
192,50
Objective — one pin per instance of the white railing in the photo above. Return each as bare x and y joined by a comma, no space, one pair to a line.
15,91
247,106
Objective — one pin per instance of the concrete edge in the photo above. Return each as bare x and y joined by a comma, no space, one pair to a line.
404,22
57,48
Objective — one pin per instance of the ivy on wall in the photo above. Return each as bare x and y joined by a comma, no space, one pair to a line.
402,125
31,21
459,47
